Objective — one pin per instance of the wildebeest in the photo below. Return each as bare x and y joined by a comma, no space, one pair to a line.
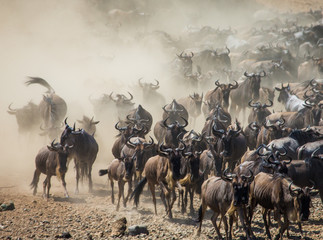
52,108
150,93
270,131
28,117
84,152
291,102
175,112
274,192
231,146
307,149
163,171
88,124
225,194
51,161
187,63
123,104
192,104
259,111
140,118
120,171
251,132
248,89
295,139
213,59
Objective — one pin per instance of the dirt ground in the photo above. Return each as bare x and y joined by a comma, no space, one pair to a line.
93,216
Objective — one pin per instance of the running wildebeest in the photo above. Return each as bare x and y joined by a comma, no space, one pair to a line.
51,161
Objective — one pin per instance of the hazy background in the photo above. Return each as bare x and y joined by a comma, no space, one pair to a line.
81,50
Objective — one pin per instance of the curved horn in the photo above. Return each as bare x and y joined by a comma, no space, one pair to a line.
270,104
227,176
139,81
264,74
247,74
217,83
253,126
314,153
185,124
261,146
217,132
281,121
312,83
131,97
234,86
248,178
11,111
254,104
181,55
150,143
294,192
227,50
119,128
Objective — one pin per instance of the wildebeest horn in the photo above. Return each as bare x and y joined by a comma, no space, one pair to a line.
312,83
184,145
264,74
130,143
163,150
185,124
217,83
294,192
181,55
281,121
269,125
307,96
227,176
11,111
165,123
150,143
228,50
261,146
270,104
314,153
217,132
54,147
234,86
248,75
247,178
288,161
192,54
279,89
131,97
119,128
139,81
308,104
155,86
254,104
110,96
253,126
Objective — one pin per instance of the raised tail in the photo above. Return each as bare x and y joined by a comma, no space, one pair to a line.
138,190
40,81
103,172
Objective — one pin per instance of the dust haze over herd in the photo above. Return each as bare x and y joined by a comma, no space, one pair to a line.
82,52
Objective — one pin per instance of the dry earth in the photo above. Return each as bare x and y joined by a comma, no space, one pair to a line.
92,216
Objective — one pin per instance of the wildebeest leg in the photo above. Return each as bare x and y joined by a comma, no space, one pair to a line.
165,191
321,193
90,178
77,169
64,185
264,216
202,210
112,190
213,219
225,223
152,190
121,189
280,234
180,196
44,187
191,199
35,181
231,226
128,194
243,220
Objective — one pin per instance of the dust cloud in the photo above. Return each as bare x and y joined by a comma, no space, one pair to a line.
88,48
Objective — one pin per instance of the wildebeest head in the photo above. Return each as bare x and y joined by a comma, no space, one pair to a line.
240,186
186,62
302,200
27,117
88,124
194,164
140,146
65,136
255,79
175,129
260,109
128,163
148,87
284,93
62,155
197,100
174,155
226,89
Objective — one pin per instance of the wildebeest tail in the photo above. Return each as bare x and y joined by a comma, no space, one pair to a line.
34,182
199,218
138,190
40,81
103,172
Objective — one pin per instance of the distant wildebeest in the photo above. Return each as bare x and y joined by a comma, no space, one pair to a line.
88,124
123,104
140,118
150,94
251,132
192,104
175,112
84,152
52,108
120,170
28,117
51,161
248,89
259,111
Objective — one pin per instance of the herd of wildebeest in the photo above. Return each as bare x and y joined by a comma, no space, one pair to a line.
274,73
